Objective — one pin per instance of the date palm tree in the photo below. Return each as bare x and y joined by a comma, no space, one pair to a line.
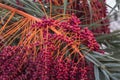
49,33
